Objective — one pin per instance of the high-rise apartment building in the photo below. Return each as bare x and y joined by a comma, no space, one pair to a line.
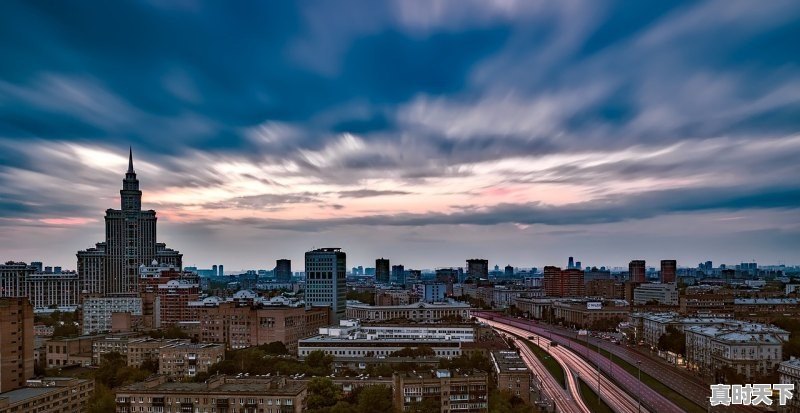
283,271
382,270
477,268
669,269
16,342
636,271
326,269
563,283
18,279
130,242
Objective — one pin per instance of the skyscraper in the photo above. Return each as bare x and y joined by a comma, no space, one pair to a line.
16,342
221,270
326,270
382,270
398,274
571,263
668,270
130,242
509,271
636,271
283,271
477,268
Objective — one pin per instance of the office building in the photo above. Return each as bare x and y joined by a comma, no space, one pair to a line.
656,293
283,271
16,342
398,275
218,394
49,395
430,292
382,272
478,268
130,242
326,270
636,271
453,391
43,289
570,263
509,271
669,270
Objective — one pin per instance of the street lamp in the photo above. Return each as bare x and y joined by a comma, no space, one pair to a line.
639,392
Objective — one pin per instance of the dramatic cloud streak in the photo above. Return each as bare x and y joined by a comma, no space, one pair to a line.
406,126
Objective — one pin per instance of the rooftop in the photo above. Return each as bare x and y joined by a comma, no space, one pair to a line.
220,384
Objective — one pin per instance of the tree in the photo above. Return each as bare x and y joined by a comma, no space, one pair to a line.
318,362
421,351
275,347
673,340
503,401
427,405
374,399
322,393
102,400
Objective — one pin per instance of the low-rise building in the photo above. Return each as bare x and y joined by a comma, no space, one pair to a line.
49,395
512,374
661,293
74,351
186,359
453,391
751,350
351,339
414,312
789,373
605,288
218,394
583,313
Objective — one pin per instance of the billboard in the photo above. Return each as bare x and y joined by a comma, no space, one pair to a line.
594,305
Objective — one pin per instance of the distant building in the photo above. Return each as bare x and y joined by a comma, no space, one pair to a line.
326,270
636,271
130,242
464,391
16,343
509,271
43,289
283,271
477,268
669,269
413,312
789,373
431,292
605,288
220,394
382,271
563,283
70,351
98,311
398,275
665,294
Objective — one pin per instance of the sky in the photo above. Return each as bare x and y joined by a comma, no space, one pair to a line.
427,132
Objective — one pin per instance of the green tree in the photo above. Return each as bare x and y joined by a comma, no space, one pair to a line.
374,399
319,363
275,347
102,400
673,340
427,405
322,393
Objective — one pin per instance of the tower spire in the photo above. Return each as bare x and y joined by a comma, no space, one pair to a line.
130,160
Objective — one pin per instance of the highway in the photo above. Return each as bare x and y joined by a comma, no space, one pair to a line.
651,400
574,366
682,381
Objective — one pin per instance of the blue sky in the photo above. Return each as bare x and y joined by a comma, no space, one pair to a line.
425,131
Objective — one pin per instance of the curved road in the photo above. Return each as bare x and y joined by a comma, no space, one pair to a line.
650,399
573,366
682,381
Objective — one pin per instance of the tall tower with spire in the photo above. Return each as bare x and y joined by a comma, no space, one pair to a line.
130,242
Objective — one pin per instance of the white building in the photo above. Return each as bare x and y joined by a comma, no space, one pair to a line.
431,292
351,339
789,373
326,269
751,349
662,293
654,325
97,311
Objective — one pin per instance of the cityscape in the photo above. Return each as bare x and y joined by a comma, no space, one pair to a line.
404,206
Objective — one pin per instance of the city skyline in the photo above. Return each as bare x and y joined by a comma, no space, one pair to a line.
518,132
